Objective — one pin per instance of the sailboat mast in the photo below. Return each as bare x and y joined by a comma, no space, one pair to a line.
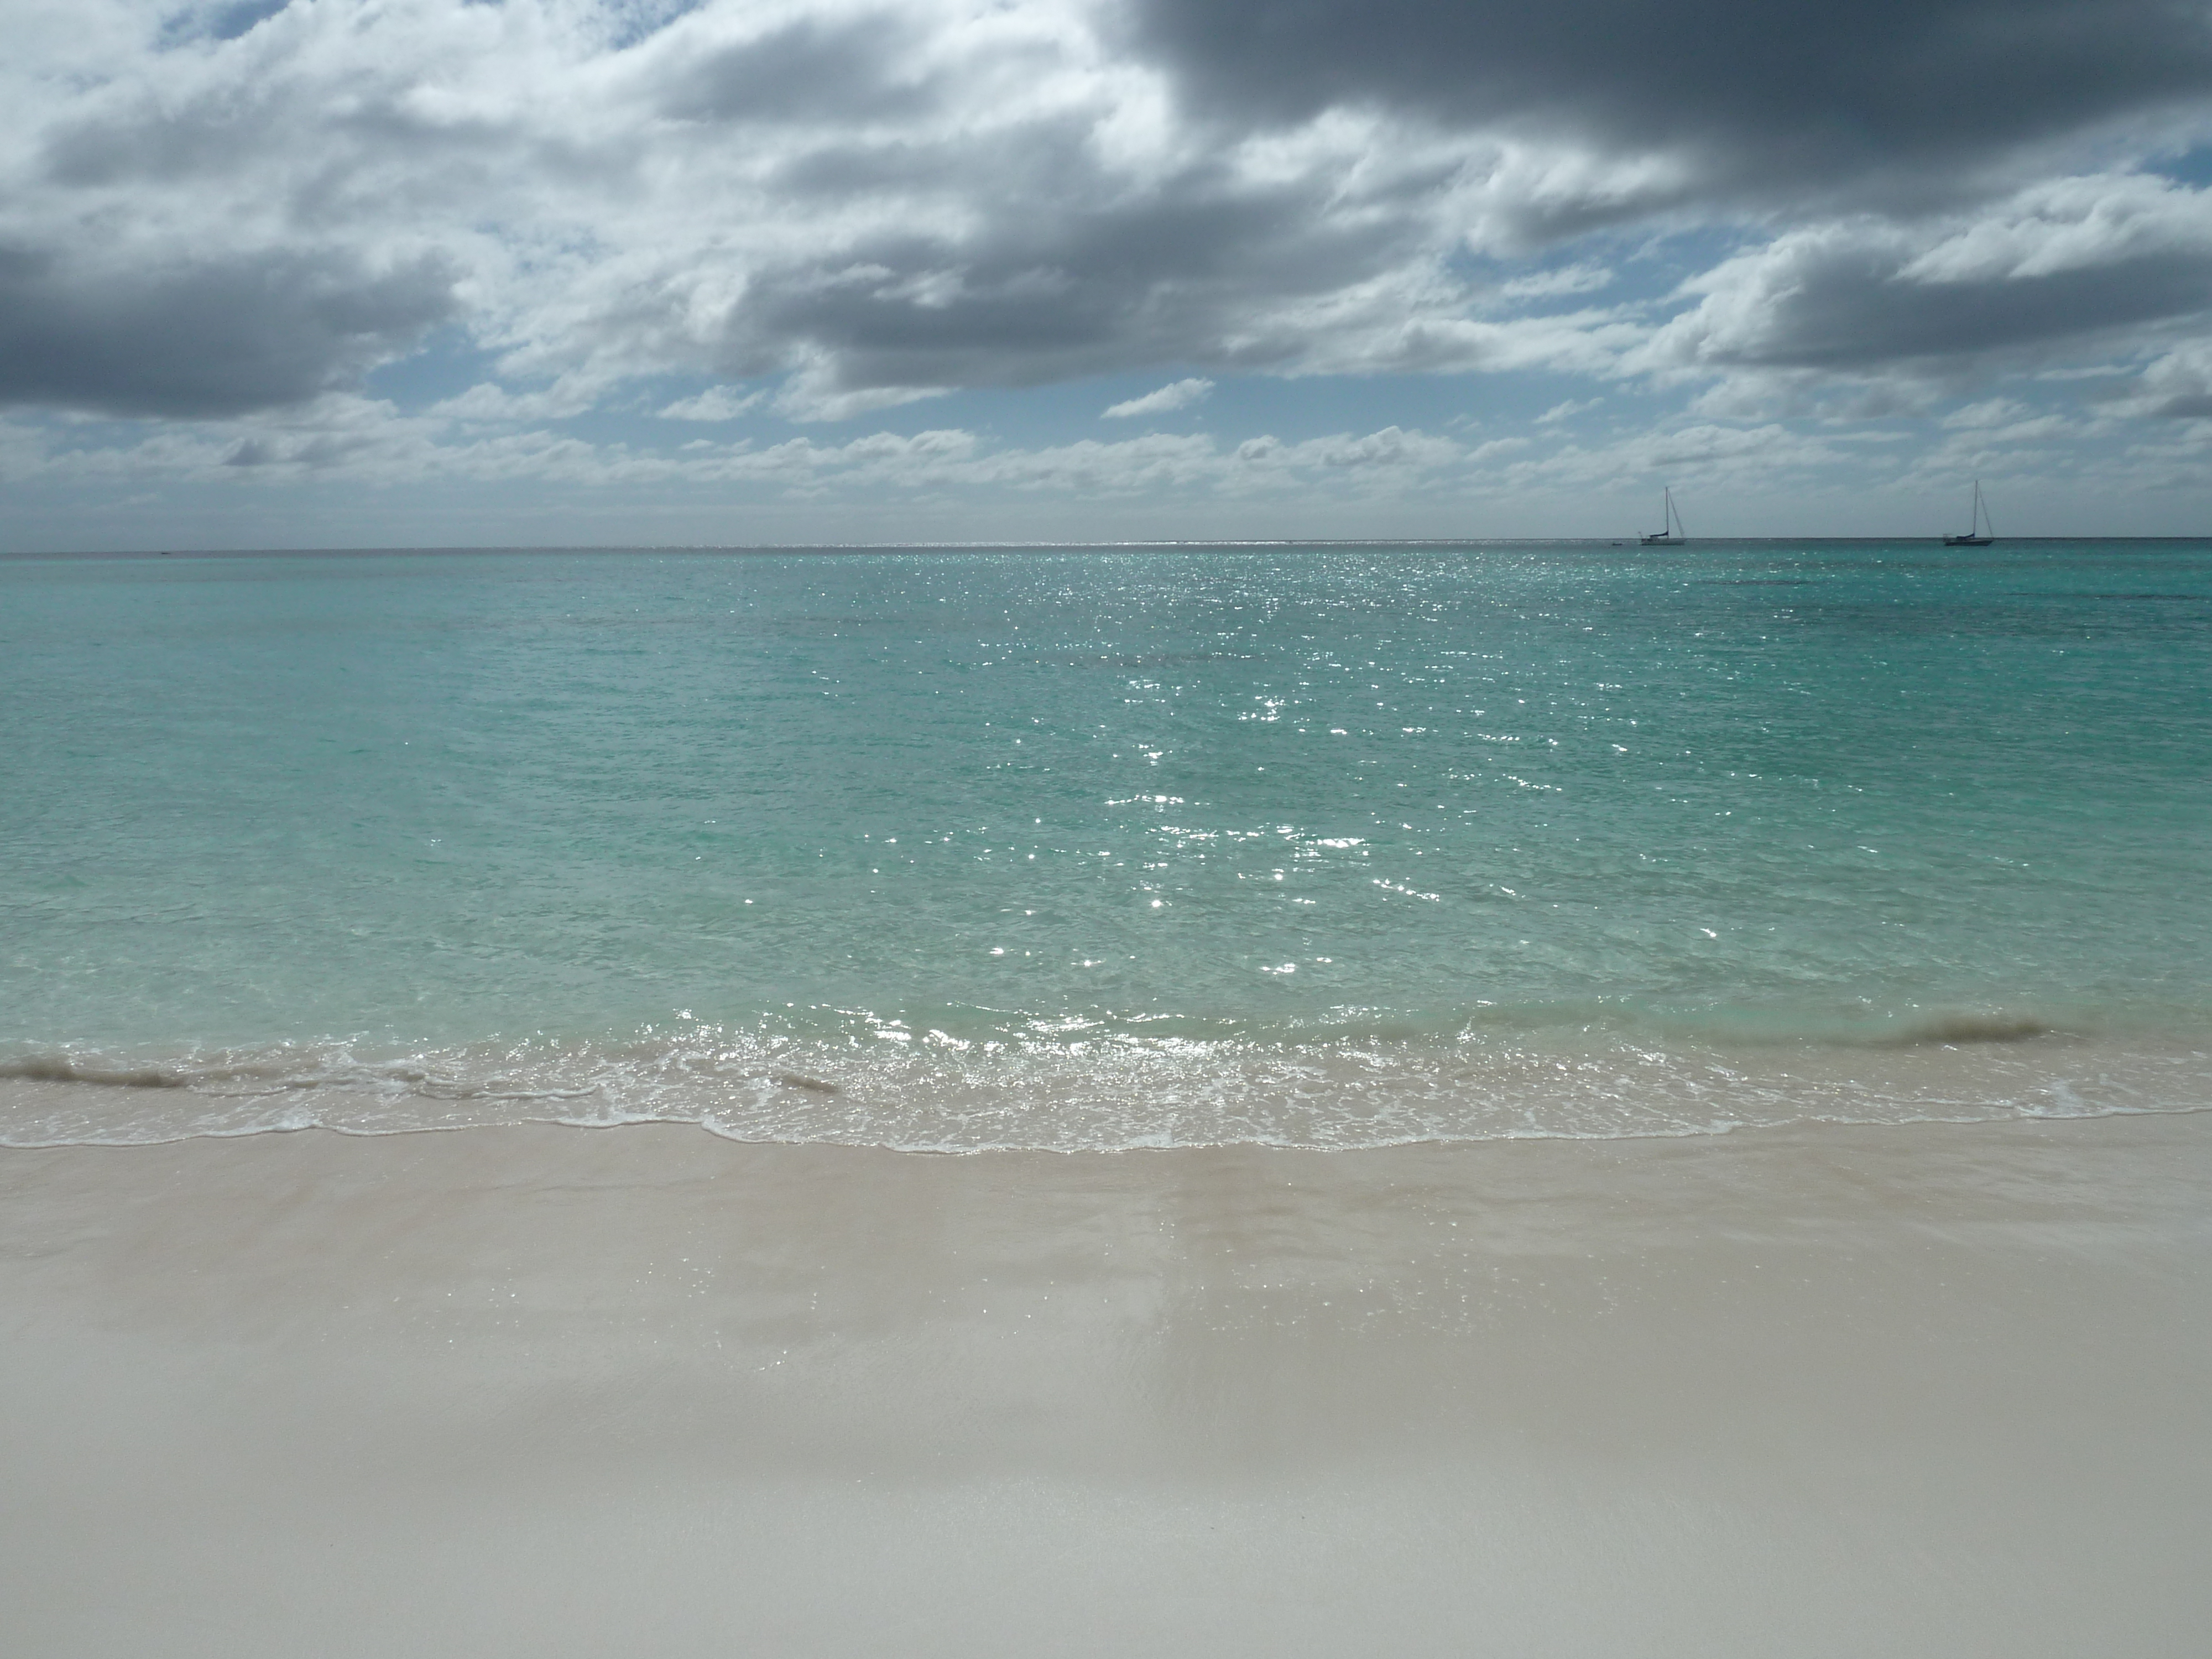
1670,524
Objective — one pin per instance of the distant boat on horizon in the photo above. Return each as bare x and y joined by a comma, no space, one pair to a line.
1670,532
1976,526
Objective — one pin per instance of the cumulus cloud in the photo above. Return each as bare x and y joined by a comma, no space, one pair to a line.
211,332
221,207
2176,385
1177,394
1584,278
487,404
716,402
364,441
1868,305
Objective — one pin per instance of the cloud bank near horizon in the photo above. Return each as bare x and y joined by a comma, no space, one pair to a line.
613,230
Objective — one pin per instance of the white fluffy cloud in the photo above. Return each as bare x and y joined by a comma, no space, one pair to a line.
1177,394
716,402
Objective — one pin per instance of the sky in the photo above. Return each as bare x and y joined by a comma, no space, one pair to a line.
507,272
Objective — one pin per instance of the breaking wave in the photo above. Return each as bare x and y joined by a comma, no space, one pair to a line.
971,1081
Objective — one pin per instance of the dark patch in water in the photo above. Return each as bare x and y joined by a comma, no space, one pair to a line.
42,1068
800,1080
2162,598
1953,1029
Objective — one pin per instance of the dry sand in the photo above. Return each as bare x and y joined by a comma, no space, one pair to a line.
1923,1390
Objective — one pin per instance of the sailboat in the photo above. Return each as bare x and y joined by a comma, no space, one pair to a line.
1670,532
1980,532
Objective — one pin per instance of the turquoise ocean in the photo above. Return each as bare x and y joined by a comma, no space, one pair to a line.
948,849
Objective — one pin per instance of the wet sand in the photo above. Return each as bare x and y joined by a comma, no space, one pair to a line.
1911,1390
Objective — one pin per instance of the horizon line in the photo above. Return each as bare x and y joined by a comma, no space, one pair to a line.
1161,545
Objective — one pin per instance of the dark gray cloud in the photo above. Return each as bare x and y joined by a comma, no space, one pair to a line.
1761,92
1074,286
160,143
1853,313
211,336
2089,262
856,71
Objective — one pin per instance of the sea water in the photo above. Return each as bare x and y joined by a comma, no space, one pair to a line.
1315,845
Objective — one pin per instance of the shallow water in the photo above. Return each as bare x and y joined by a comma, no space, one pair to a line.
1320,847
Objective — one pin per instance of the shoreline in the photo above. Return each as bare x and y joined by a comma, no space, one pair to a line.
912,1097
1824,1390
1439,1142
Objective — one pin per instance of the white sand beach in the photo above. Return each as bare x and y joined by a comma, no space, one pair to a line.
1905,1390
